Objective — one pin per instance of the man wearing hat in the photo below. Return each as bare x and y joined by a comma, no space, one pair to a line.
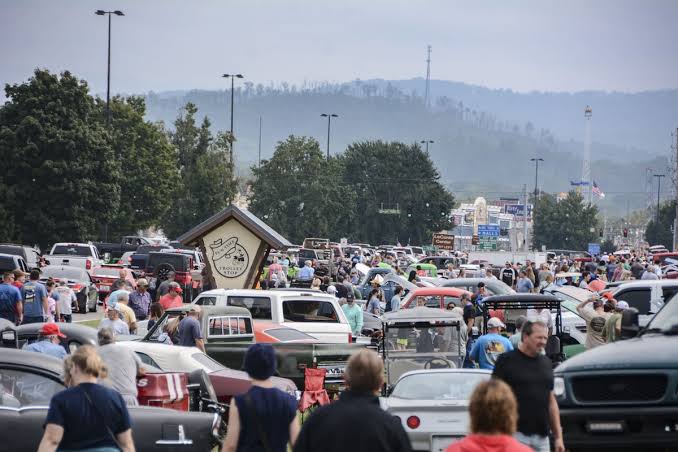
612,328
489,346
595,320
173,297
113,322
354,314
190,332
49,342
140,299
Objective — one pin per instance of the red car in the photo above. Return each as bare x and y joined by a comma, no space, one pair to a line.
436,297
104,277
271,333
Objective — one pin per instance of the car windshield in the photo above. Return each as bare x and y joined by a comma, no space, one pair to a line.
567,301
72,273
438,386
667,317
20,388
73,250
207,362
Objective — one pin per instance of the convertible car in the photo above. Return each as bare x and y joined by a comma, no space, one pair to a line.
29,380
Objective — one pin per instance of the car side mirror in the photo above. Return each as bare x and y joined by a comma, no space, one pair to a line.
629,323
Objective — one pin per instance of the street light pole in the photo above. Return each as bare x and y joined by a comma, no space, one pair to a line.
536,176
656,221
101,12
426,142
232,77
329,117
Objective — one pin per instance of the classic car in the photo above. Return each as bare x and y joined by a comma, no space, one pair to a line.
228,332
432,405
191,360
492,286
28,381
104,277
77,279
435,297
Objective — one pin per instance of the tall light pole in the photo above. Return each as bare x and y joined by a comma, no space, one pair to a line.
232,77
329,117
427,142
536,176
101,12
656,221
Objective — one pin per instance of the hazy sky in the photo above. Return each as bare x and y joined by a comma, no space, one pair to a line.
521,45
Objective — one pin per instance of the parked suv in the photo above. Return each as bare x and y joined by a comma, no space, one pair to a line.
161,263
624,395
11,262
30,255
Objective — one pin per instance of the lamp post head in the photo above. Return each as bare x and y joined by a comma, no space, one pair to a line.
238,75
99,12
117,12
324,115
334,116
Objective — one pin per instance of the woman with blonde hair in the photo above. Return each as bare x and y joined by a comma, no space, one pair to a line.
494,418
87,415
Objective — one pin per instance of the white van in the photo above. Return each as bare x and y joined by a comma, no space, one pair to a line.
315,313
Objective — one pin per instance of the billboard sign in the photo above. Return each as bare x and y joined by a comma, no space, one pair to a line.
488,230
443,241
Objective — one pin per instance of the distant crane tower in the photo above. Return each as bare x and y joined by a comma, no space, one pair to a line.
586,164
427,92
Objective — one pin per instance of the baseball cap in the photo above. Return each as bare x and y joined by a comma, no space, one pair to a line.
51,329
495,323
622,305
349,296
142,282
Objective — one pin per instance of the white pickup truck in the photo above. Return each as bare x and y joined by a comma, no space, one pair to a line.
316,314
83,255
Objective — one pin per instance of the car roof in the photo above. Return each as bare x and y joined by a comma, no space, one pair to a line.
420,313
439,291
213,310
648,283
291,292
32,359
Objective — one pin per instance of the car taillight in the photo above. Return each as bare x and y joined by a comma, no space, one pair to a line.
413,422
77,287
350,338
88,265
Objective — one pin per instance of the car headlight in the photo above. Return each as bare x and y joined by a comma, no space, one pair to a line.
559,386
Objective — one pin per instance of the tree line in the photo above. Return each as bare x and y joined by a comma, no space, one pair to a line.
68,177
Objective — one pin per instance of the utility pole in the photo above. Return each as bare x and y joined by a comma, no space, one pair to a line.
675,220
656,221
329,117
536,176
525,246
232,77
100,12
260,141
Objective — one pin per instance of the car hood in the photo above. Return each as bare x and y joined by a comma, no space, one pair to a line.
650,351
434,405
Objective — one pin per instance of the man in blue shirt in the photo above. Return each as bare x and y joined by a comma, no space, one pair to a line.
49,342
10,299
189,330
524,285
34,296
489,346
306,272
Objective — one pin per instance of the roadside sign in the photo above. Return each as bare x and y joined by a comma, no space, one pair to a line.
487,243
488,230
430,248
443,241
594,249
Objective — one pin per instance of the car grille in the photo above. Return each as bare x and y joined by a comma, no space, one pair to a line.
619,388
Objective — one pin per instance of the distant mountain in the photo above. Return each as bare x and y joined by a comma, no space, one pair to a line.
478,151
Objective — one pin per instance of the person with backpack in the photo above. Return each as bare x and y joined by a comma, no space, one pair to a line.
34,299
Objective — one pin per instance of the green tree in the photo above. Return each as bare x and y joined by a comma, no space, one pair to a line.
148,165
60,178
564,224
204,184
300,193
662,235
396,177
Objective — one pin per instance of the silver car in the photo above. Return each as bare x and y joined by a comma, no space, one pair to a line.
432,405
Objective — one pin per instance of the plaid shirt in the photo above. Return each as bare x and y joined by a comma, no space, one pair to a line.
140,304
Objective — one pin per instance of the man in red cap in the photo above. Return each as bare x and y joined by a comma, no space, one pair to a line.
173,298
49,341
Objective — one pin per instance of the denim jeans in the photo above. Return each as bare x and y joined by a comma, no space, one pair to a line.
537,442
27,320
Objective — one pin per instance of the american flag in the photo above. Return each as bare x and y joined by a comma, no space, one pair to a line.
597,191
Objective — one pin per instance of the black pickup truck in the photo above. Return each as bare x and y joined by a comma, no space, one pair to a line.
128,243
624,395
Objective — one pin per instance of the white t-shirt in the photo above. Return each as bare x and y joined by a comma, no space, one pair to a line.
66,299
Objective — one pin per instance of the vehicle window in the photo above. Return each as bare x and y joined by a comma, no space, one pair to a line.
73,250
19,388
229,326
309,311
306,254
636,298
206,301
210,364
147,360
160,326
669,292
259,307
288,334
7,263
439,386
431,302
455,300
